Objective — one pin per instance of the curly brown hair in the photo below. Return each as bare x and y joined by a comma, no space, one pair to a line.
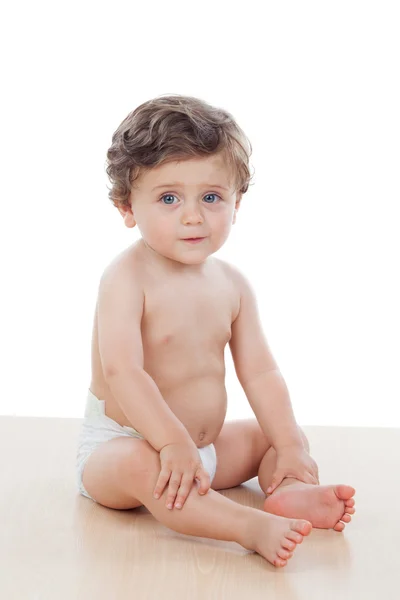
174,127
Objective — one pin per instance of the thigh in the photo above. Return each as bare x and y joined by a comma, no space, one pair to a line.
240,447
110,471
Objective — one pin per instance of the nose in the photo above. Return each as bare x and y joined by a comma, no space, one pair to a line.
191,215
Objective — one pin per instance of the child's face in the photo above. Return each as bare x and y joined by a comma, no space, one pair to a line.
194,198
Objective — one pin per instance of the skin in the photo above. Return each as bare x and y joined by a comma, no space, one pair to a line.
191,302
183,341
191,212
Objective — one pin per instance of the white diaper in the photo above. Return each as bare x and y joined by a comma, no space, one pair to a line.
97,428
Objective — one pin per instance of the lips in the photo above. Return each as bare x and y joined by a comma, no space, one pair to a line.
193,240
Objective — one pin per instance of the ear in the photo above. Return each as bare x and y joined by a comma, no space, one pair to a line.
237,206
127,215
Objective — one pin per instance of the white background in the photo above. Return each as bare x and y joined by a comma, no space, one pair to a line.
315,85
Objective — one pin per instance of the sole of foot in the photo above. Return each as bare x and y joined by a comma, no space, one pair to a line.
324,506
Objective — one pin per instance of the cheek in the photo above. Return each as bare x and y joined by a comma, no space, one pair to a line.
158,228
153,221
224,225
163,227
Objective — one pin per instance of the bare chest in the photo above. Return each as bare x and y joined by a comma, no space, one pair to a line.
186,326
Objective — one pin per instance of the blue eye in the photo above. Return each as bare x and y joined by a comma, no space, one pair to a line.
211,195
172,196
167,196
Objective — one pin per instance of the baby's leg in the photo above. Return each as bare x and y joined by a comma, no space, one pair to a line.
210,516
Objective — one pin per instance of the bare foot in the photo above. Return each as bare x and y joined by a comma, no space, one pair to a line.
275,538
325,506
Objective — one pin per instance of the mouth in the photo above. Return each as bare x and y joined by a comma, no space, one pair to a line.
193,240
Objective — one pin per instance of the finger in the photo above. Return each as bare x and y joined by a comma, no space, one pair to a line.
174,484
276,480
183,492
204,481
161,482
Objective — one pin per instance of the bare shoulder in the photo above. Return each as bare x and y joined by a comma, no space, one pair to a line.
241,284
120,307
234,274
122,279
125,264
234,279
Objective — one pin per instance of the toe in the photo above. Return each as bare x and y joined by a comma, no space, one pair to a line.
279,562
282,553
350,502
303,527
350,511
288,544
344,492
346,518
339,526
294,536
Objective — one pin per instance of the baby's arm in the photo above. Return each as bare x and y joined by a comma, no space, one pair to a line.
120,310
259,373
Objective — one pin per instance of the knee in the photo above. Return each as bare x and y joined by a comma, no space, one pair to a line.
141,460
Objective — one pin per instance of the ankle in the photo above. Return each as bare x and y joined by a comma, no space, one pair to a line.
250,530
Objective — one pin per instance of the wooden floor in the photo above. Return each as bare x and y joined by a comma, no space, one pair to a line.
56,544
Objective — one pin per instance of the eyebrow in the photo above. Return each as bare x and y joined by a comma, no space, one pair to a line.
177,184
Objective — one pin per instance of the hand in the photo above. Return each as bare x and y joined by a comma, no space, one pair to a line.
180,464
293,461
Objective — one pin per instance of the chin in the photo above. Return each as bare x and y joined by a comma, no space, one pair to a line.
192,260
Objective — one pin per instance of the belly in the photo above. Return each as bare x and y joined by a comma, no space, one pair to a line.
200,404
199,401
195,391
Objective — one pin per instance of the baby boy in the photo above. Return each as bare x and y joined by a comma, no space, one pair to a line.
154,431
